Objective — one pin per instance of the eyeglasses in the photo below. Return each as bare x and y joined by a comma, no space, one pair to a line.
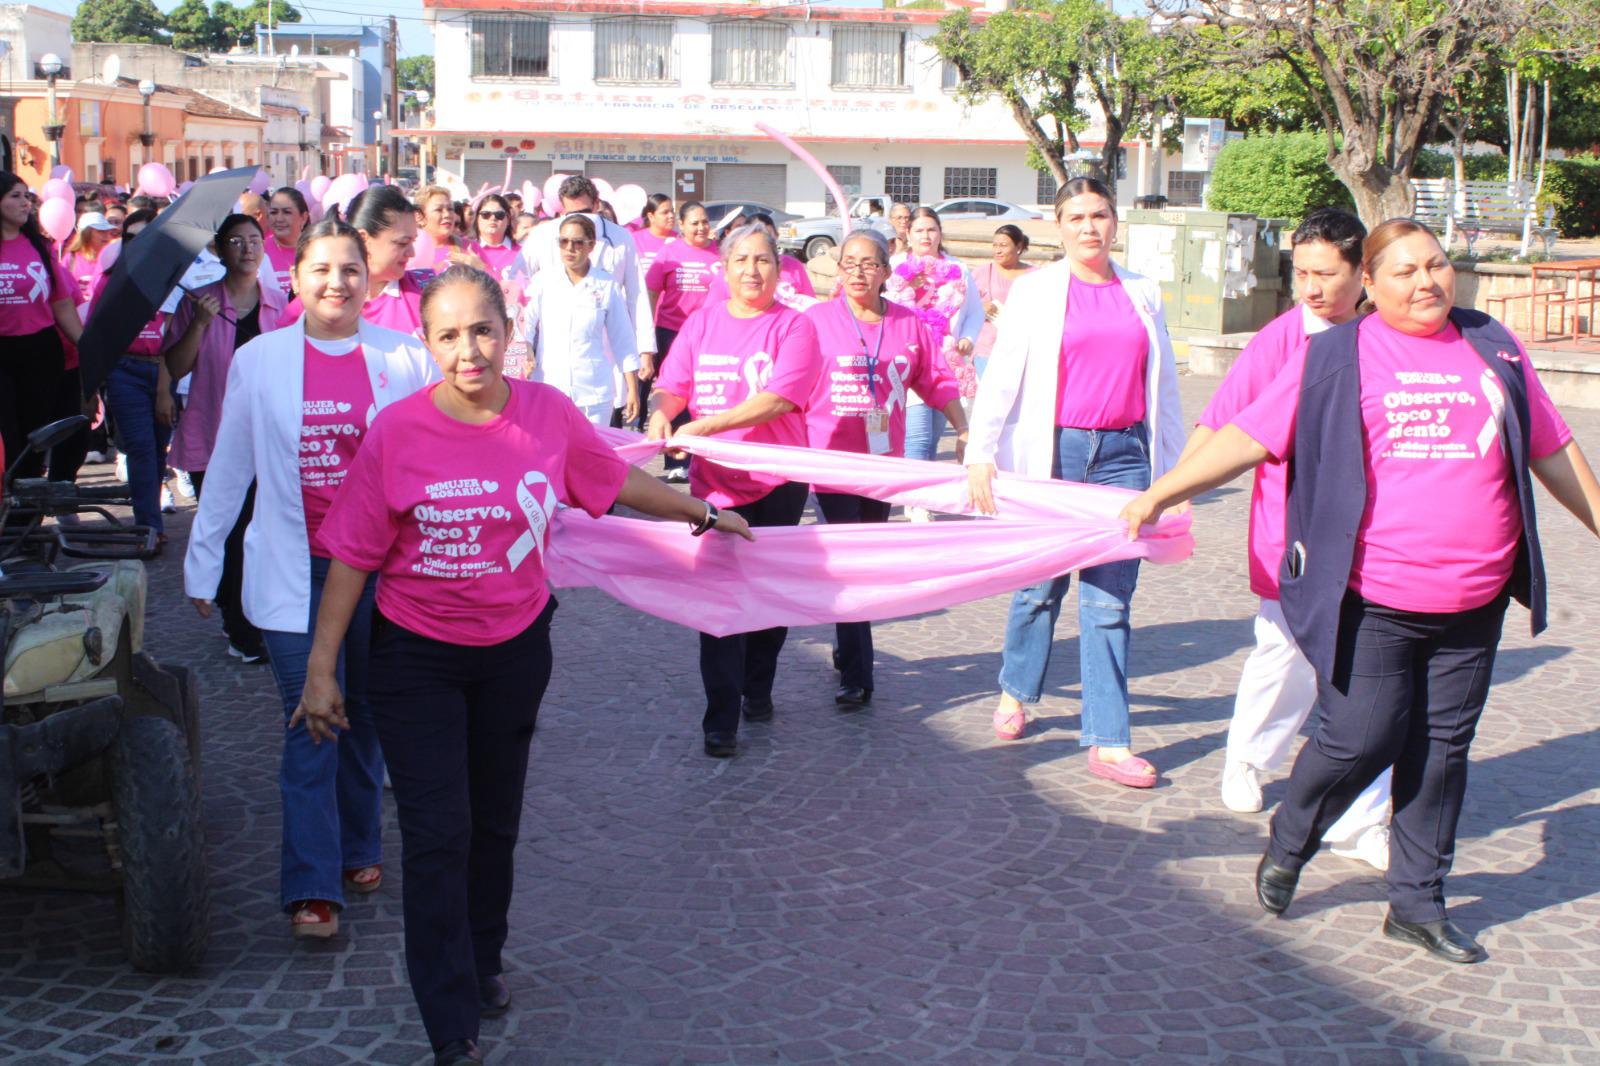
494,216
574,242
239,244
860,266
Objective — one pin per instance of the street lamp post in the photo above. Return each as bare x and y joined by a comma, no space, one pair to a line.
147,89
52,66
422,98
377,117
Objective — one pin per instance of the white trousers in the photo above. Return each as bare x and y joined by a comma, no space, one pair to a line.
598,414
1277,691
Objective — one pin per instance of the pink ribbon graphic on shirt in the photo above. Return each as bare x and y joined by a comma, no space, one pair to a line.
537,509
41,280
817,574
897,385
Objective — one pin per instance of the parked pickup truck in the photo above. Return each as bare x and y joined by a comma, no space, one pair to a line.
811,237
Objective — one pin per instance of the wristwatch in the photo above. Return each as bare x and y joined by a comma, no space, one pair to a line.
704,525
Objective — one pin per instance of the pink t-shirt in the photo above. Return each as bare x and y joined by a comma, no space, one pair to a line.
1269,351
719,361
148,342
906,357
282,260
682,275
397,307
1104,350
28,286
85,272
794,285
1441,525
455,518
499,258
650,246
995,288
336,410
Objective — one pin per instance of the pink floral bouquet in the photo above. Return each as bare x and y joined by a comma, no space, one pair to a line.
935,290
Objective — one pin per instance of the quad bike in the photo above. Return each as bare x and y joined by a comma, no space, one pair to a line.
99,744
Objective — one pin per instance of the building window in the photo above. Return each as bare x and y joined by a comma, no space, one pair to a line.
749,53
510,46
1046,190
633,49
969,181
951,79
903,184
849,179
1185,188
869,57
108,170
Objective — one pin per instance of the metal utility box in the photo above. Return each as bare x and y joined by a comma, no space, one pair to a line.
1218,271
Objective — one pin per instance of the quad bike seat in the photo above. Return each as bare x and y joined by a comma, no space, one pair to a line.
72,637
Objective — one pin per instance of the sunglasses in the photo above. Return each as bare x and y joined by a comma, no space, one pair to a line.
493,216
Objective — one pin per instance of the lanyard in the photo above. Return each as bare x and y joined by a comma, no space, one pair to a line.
872,361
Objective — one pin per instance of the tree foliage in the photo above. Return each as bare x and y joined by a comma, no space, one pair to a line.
415,72
119,21
1282,175
195,28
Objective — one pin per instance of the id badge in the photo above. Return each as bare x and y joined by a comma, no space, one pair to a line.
877,431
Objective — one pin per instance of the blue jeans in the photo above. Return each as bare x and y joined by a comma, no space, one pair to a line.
332,792
131,401
924,427
1119,457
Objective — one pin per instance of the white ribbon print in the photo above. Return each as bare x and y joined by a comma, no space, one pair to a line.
897,384
757,372
1497,412
41,280
538,504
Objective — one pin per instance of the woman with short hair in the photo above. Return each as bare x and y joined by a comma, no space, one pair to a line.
1410,435
497,252
287,218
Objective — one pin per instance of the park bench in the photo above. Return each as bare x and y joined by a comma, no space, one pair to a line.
1434,203
1477,208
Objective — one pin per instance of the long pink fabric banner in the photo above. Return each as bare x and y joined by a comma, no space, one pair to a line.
815,574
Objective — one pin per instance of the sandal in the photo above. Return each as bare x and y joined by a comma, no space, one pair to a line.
314,918
1010,725
1133,771
364,879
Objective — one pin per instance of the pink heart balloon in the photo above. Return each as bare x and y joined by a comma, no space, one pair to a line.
606,191
261,183
319,186
552,188
628,201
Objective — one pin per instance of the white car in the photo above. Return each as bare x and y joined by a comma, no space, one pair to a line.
976,207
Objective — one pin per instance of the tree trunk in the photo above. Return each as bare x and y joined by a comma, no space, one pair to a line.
1379,193
1108,156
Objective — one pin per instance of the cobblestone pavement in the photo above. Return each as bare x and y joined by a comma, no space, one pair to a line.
893,885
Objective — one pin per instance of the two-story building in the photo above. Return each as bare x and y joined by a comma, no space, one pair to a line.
666,94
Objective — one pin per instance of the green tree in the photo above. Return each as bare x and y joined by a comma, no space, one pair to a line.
415,72
1265,99
117,21
196,29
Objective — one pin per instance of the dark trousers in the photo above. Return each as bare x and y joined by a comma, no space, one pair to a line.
242,634
852,640
1407,689
455,723
66,458
743,666
664,339
31,368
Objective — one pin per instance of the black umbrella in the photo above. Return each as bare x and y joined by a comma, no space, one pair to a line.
149,269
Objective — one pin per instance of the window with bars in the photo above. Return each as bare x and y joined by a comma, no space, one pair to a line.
869,57
1046,189
969,181
745,52
849,179
903,184
1185,188
510,46
633,49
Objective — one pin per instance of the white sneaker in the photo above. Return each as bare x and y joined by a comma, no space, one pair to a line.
1241,792
168,505
185,486
919,514
94,457
122,467
1371,847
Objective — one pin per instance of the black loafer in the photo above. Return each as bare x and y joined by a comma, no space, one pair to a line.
457,1053
1275,886
494,996
1442,938
757,710
852,696
721,745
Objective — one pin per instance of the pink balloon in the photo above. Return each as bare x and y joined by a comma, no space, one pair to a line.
424,252
344,189
552,187
530,197
57,189
629,201
319,186
109,256
63,172
261,183
57,218
552,207
156,180
606,191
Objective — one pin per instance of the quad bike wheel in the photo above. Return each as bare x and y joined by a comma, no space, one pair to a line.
166,919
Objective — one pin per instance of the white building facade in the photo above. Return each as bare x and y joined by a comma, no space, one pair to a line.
666,94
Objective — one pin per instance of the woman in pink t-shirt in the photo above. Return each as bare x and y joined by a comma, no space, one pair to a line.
95,233
300,403
37,299
794,280
743,370
450,502
1082,387
388,226
493,219
678,281
437,217
658,228
873,353
287,217
1411,434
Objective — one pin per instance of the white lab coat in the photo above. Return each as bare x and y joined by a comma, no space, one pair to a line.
581,333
